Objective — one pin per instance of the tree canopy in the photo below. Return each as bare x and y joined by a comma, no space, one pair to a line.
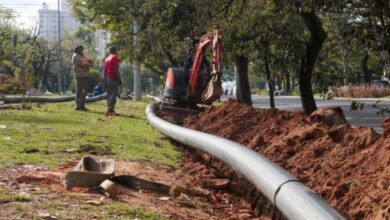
309,44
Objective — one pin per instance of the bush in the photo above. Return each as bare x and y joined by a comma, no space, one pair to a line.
262,92
361,91
9,86
93,80
295,92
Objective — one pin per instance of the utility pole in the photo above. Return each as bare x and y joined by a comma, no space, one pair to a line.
59,75
137,66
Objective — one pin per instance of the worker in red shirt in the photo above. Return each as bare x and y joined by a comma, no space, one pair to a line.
111,71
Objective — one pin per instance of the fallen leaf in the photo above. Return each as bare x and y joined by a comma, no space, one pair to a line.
28,166
164,198
24,194
94,202
46,215
7,138
43,214
70,150
217,183
3,126
35,189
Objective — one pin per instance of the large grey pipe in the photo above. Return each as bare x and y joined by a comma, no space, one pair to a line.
291,197
49,99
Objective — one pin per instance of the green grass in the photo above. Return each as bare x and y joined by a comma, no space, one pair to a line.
54,134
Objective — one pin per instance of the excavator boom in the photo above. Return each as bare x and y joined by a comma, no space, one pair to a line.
213,38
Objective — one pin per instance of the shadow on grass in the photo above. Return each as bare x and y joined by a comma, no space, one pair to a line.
120,114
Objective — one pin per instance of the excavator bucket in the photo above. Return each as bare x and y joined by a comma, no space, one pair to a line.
213,90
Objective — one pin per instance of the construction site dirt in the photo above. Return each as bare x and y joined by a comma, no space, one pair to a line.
349,167
197,192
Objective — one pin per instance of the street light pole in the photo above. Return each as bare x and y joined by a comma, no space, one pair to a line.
59,75
137,66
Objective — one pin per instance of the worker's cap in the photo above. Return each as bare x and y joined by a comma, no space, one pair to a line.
113,49
79,47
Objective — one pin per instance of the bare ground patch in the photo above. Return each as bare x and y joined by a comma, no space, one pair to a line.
196,193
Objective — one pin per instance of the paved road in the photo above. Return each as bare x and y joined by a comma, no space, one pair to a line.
367,117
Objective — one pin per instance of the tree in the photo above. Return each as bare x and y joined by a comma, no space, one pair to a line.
164,26
15,56
289,39
23,75
313,47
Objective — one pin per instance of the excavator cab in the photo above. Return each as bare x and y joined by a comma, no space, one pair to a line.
198,85
175,84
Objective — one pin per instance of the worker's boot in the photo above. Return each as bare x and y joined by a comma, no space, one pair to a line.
110,114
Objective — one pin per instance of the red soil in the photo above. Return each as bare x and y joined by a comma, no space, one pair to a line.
349,167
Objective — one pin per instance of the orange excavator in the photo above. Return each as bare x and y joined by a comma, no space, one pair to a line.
187,88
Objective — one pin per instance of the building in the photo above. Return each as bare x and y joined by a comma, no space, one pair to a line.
68,22
48,26
48,21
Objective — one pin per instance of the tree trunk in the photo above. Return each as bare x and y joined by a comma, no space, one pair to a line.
279,81
358,77
293,83
313,47
345,66
36,83
37,70
45,82
269,78
243,92
287,79
366,73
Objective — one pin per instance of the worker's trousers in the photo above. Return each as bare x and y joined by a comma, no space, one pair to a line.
81,91
112,90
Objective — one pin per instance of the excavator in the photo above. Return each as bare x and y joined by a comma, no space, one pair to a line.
188,89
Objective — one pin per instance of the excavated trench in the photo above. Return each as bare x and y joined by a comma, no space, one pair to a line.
349,167
202,163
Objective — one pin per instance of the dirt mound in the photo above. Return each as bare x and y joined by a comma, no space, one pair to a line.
386,127
349,167
329,116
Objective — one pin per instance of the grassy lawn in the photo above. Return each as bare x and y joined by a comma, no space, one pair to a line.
53,134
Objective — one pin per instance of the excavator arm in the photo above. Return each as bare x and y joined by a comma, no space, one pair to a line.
213,38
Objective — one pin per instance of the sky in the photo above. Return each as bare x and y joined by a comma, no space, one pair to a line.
27,10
